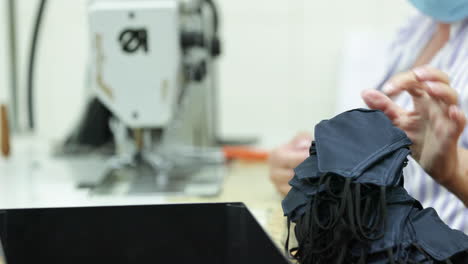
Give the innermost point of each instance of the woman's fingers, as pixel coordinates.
(430, 74)
(287, 157)
(442, 91)
(280, 177)
(406, 81)
(457, 115)
(379, 101)
(416, 81)
(291, 158)
(301, 141)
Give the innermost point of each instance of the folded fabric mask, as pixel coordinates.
(349, 205)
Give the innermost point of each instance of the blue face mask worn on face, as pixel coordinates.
(443, 10)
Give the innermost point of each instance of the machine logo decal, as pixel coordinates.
(132, 40)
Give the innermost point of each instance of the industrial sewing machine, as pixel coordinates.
(152, 66)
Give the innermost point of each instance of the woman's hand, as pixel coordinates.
(285, 158)
(435, 124)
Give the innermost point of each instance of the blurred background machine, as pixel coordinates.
(153, 73)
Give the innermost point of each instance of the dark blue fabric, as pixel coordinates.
(349, 203)
(353, 141)
(435, 237)
(294, 203)
(307, 189)
(399, 207)
(308, 169)
(387, 170)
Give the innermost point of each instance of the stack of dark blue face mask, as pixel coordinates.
(349, 205)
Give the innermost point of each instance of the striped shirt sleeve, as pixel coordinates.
(459, 81)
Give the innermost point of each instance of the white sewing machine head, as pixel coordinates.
(136, 59)
(152, 65)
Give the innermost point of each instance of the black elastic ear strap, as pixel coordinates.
(344, 198)
(350, 206)
(351, 217)
(328, 188)
(380, 219)
(286, 246)
(315, 211)
(363, 257)
(390, 256)
(383, 211)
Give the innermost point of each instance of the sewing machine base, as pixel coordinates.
(204, 180)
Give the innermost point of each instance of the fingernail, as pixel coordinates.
(460, 112)
(303, 144)
(455, 110)
(421, 72)
(388, 88)
(431, 85)
(365, 93)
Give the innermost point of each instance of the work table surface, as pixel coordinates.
(249, 183)
(30, 179)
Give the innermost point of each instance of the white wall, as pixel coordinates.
(61, 63)
(279, 73)
(282, 64)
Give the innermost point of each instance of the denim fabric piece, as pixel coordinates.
(304, 187)
(387, 171)
(308, 169)
(399, 207)
(293, 202)
(435, 237)
(349, 204)
(351, 142)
